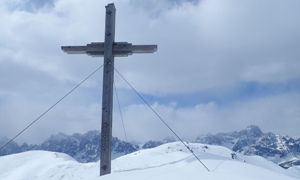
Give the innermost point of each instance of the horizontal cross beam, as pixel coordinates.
(120, 49)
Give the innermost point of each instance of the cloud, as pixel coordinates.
(217, 44)
(207, 48)
(277, 114)
(30, 5)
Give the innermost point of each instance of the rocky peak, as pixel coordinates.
(251, 131)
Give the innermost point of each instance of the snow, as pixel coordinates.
(169, 161)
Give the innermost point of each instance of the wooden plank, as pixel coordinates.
(107, 96)
(74, 49)
(144, 48)
(120, 49)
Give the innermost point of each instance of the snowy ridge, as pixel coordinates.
(168, 161)
(82, 147)
(282, 150)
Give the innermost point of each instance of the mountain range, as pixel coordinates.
(82, 147)
(283, 150)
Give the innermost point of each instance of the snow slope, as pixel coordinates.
(169, 161)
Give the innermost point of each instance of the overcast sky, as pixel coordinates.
(221, 65)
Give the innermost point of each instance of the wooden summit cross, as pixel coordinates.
(109, 49)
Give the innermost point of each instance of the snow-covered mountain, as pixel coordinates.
(85, 147)
(82, 147)
(282, 150)
(169, 161)
(152, 144)
(11, 148)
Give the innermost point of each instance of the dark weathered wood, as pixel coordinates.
(74, 49)
(107, 96)
(109, 49)
(120, 49)
(144, 48)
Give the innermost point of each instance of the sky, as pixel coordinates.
(221, 66)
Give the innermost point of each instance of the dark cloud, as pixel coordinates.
(36, 4)
(220, 65)
(32, 5)
(156, 7)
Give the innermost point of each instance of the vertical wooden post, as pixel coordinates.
(107, 95)
(106, 49)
